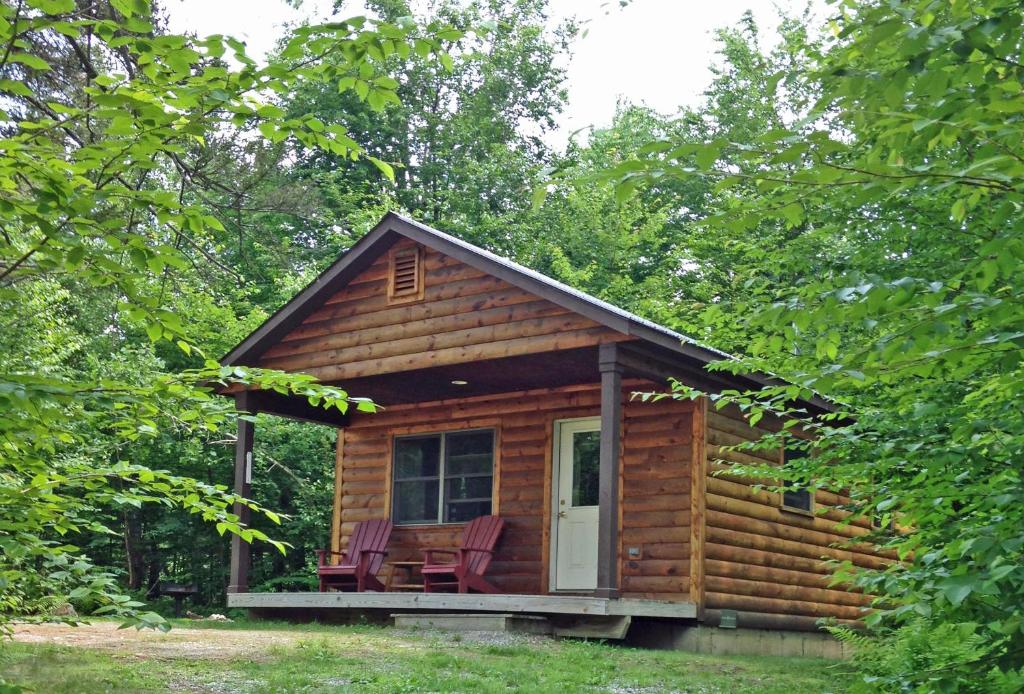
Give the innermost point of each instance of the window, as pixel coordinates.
(795, 497)
(405, 279)
(879, 522)
(443, 478)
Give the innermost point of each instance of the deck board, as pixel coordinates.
(531, 604)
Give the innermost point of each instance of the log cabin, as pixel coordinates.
(505, 392)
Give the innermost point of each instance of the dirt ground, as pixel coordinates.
(208, 644)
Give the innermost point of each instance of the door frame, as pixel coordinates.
(556, 468)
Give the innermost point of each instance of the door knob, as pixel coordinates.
(562, 514)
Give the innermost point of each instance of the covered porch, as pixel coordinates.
(645, 540)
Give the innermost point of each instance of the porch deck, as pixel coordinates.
(468, 602)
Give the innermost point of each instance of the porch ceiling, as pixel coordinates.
(506, 375)
(510, 374)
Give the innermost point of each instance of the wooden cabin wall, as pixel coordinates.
(657, 460)
(759, 558)
(465, 315)
(655, 483)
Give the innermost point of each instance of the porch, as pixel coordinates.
(641, 483)
(575, 605)
(560, 615)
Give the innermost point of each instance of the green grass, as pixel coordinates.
(373, 659)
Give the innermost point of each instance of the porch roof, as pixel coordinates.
(655, 352)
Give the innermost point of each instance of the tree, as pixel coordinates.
(466, 137)
(106, 124)
(645, 247)
(901, 189)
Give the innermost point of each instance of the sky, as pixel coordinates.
(653, 52)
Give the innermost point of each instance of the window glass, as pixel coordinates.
(465, 488)
(416, 501)
(794, 496)
(465, 511)
(586, 465)
(417, 457)
(458, 465)
(469, 453)
(468, 469)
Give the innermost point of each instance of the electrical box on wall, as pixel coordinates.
(633, 552)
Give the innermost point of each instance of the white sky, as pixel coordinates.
(653, 52)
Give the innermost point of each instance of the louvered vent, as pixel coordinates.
(406, 277)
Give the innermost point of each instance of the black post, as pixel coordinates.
(239, 582)
(608, 494)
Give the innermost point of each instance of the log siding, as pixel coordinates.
(462, 316)
(654, 472)
(761, 558)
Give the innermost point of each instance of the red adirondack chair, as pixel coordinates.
(471, 560)
(360, 563)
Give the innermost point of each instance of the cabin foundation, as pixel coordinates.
(474, 621)
(698, 638)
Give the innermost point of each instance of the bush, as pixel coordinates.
(924, 657)
(303, 581)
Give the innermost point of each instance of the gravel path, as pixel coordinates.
(147, 643)
(216, 644)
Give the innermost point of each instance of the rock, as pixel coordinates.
(218, 618)
(65, 610)
(192, 615)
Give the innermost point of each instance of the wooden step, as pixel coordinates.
(474, 621)
(614, 628)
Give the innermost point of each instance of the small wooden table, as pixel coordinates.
(178, 591)
(410, 568)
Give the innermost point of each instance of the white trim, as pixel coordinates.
(556, 462)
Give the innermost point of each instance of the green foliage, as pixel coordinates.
(891, 202)
(922, 656)
(466, 133)
(103, 234)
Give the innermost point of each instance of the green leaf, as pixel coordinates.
(384, 167)
(53, 6)
(29, 60)
(957, 588)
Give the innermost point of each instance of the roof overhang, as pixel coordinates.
(661, 352)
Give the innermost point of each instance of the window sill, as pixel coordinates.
(798, 511)
(427, 526)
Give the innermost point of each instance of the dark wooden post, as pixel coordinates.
(608, 494)
(239, 582)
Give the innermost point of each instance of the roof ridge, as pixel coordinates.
(579, 293)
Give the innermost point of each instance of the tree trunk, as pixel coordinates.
(153, 577)
(133, 549)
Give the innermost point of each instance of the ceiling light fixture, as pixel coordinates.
(460, 382)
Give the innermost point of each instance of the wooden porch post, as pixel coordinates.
(239, 582)
(608, 487)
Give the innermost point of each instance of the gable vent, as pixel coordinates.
(406, 277)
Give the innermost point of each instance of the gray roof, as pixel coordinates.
(559, 286)
(394, 226)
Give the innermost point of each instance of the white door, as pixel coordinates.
(574, 536)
